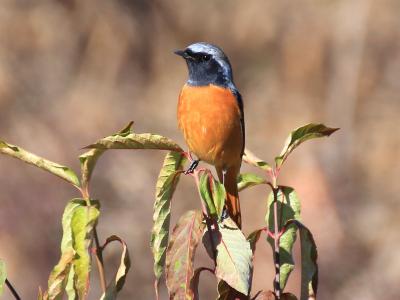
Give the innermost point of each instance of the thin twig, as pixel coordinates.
(99, 260)
(156, 289)
(12, 289)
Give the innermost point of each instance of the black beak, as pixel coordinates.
(180, 53)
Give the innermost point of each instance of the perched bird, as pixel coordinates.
(210, 115)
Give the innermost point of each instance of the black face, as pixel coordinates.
(206, 68)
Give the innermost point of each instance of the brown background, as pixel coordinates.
(74, 71)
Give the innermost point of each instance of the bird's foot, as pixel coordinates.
(192, 167)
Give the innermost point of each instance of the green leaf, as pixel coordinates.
(288, 208)
(127, 139)
(253, 238)
(234, 255)
(246, 180)
(55, 285)
(83, 220)
(213, 194)
(300, 135)
(119, 279)
(180, 255)
(3, 276)
(309, 267)
(250, 158)
(72, 271)
(89, 159)
(58, 277)
(206, 195)
(70, 287)
(165, 187)
(44, 164)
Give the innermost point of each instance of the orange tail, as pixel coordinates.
(232, 194)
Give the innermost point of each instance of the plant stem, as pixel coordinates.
(277, 286)
(12, 289)
(99, 260)
(156, 289)
(99, 250)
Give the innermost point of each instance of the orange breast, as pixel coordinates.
(209, 117)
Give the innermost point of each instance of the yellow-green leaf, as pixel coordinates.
(234, 255)
(250, 158)
(180, 255)
(165, 187)
(300, 135)
(89, 159)
(42, 163)
(127, 139)
(246, 180)
(82, 222)
(3, 276)
(119, 279)
(64, 269)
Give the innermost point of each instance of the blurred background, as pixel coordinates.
(74, 71)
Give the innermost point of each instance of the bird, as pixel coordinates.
(210, 115)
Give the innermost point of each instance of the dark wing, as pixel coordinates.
(240, 103)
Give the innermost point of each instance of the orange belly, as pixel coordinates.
(209, 117)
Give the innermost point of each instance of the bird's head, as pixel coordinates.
(207, 64)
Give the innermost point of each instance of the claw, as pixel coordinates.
(192, 167)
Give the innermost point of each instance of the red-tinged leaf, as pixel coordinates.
(269, 295)
(250, 158)
(180, 255)
(234, 255)
(119, 279)
(300, 135)
(59, 275)
(194, 283)
(165, 188)
(225, 292)
(264, 295)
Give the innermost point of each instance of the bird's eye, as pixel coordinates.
(206, 57)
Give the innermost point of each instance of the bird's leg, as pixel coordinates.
(225, 210)
(193, 163)
(223, 176)
(192, 167)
